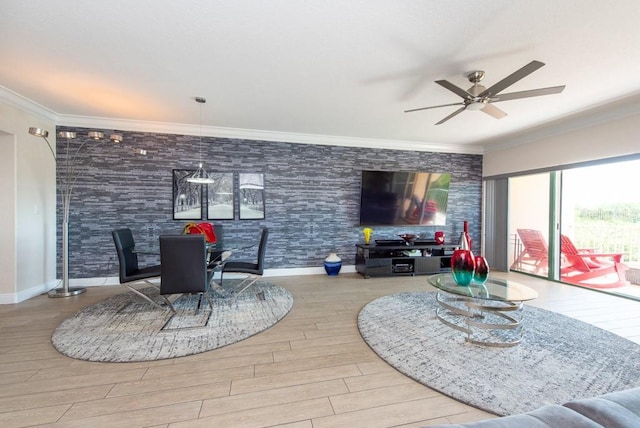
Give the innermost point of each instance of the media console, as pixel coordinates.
(395, 257)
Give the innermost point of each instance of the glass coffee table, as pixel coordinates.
(489, 314)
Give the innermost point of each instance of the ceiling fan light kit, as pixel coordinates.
(477, 105)
(477, 97)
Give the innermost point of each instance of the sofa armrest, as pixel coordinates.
(550, 416)
(620, 409)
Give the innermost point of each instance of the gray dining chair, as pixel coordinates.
(184, 267)
(253, 269)
(130, 273)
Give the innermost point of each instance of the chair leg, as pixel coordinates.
(210, 282)
(200, 295)
(249, 280)
(206, 296)
(156, 286)
(246, 282)
(169, 304)
(144, 296)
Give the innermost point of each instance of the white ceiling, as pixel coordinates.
(337, 68)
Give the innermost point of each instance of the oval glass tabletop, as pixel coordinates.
(493, 289)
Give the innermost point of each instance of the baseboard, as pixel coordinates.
(114, 280)
(305, 271)
(96, 282)
(11, 298)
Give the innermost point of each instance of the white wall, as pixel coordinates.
(28, 220)
(8, 218)
(605, 140)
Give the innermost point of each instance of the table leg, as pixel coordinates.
(487, 323)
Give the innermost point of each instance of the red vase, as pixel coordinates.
(465, 242)
(462, 267)
(465, 228)
(482, 270)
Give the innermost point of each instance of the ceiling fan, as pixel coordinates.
(478, 97)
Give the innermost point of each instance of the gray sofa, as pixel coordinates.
(619, 409)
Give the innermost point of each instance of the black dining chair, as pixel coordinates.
(184, 267)
(130, 273)
(253, 269)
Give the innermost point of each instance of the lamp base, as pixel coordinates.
(61, 292)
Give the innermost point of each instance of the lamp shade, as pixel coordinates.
(67, 134)
(96, 135)
(200, 176)
(38, 132)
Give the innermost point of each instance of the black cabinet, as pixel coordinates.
(397, 258)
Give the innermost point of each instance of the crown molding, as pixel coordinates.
(611, 111)
(25, 104)
(604, 113)
(20, 102)
(259, 135)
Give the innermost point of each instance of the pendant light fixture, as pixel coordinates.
(201, 176)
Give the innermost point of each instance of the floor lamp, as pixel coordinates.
(67, 172)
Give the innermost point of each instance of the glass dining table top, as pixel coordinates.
(214, 247)
(493, 289)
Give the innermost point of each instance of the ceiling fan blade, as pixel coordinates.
(511, 79)
(455, 113)
(493, 111)
(526, 94)
(453, 88)
(427, 108)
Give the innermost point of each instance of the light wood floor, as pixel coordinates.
(310, 370)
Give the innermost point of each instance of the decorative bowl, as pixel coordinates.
(409, 238)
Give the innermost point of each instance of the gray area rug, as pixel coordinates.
(559, 358)
(125, 328)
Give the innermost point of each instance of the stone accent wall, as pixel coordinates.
(312, 196)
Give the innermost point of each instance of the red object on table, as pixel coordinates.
(203, 228)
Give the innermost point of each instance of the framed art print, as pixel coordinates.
(220, 197)
(251, 197)
(187, 197)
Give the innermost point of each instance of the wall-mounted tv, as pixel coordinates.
(404, 198)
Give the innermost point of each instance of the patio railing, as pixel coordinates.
(623, 239)
(610, 239)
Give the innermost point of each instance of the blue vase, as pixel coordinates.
(332, 264)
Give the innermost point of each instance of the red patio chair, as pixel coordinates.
(535, 254)
(583, 267)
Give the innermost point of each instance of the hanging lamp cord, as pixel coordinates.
(201, 101)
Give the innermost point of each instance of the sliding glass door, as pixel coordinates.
(579, 225)
(529, 198)
(600, 227)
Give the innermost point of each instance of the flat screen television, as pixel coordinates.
(404, 198)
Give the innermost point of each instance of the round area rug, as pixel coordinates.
(559, 358)
(126, 328)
